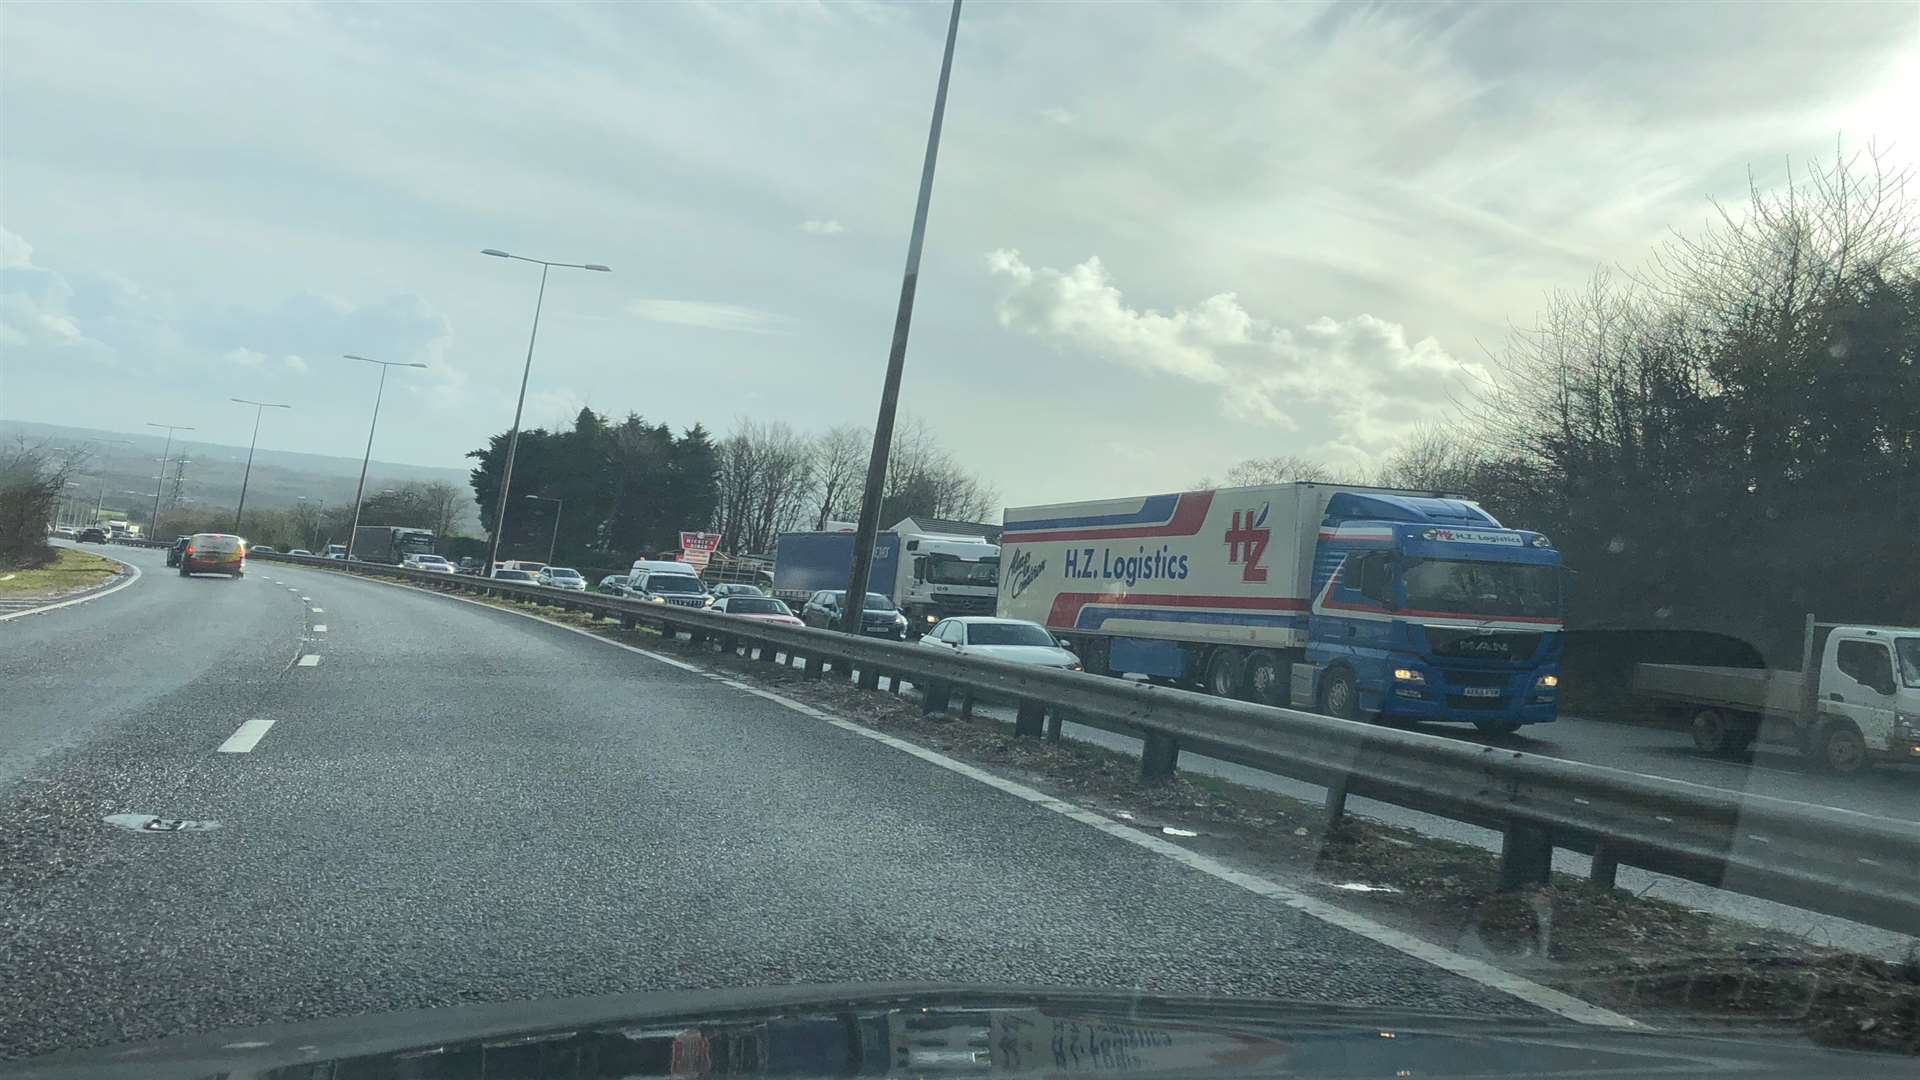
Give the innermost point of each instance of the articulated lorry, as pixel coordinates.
(389, 544)
(1355, 601)
(1854, 701)
(928, 576)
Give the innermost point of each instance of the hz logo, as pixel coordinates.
(1247, 543)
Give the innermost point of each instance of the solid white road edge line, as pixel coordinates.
(245, 738)
(1479, 971)
(78, 600)
(310, 660)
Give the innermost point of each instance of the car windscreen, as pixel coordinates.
(562, 571)
(877, 602)
(755, 605)
(674, 583)
(1457, 586)
(1007, 634)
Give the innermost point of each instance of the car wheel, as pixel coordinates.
(185, 570)
(1841, 749)
(1223, 674)
(1340, 697)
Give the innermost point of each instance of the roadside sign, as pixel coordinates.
(696, 548)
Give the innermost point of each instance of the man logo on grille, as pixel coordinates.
(1247, 542)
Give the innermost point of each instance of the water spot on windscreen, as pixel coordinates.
(155, 823)
(1361, 886)
(1169, 830)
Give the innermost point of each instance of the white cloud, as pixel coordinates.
(1057, 115)
(243, 357)
(827, 227)
(1361, 372)
(14, 250)
(296, 364)
(700, 313)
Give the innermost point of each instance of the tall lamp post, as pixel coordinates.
(258, 408)
(153, 521)
(101, 499)
(896, 356)
(513, 439)
(377, 395)
(554, 542)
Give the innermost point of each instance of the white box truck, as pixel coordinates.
(1357, 601)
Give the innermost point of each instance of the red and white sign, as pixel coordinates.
(696, 549)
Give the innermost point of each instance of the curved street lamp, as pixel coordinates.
(513, 440)
(377, 395)
(258, 408)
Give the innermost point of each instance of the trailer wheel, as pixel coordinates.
(1839, 749)
(1340, 697)
(1712, 732)
(1267, 679)
(1223, 673)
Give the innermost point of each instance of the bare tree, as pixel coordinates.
(1281, 469)
(839, 471)
(31, 483)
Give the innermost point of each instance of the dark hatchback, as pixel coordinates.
(173, 553)
(880, 619)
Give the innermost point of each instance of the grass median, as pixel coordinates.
(70, 571)
(1667, 964)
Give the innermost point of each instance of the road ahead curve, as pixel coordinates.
(452, 804)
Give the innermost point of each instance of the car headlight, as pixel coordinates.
(1546, 682)
(656, 599)
(1408, 675)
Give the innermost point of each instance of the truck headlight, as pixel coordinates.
(1546, 682)
(933, 618)
(1408, 675)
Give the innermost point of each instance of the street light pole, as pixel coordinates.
(377, 395)
(856, 605)
(153, 521)
(513, 438)
(558, 506)
(258, 408)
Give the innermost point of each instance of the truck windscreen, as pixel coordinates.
(948, 570)
(1482, 588)
(411, 543)
(1908, 649)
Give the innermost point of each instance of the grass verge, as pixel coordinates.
(1667, 964)
(71, 571)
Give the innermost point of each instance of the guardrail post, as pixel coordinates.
(1336, 801)
(1159, 757)
(768, 653)
(626, 621)
(1055, 718)
(813, 667)
(1026, 723)
(1606, 866)
(934, 698)
(1526, 855)
(869, 678)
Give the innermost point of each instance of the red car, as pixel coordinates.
(757, 608)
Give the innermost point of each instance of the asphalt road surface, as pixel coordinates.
(429, 803)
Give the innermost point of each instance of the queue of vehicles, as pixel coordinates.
(1364, 603)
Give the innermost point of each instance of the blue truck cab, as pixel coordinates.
(1428, 609)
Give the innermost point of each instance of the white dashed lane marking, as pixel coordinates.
(319, 628)
(317, 611)
(246, 737)
(310, 660)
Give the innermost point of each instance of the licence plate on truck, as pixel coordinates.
(1481, 691)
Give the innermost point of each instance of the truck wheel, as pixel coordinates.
(1840, 749)
(1268, 679)
(1712, 731)
(1223, 673)
(1340, 697)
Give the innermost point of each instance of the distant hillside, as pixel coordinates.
(213, 471)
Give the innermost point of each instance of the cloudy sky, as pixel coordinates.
(1164, 237)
